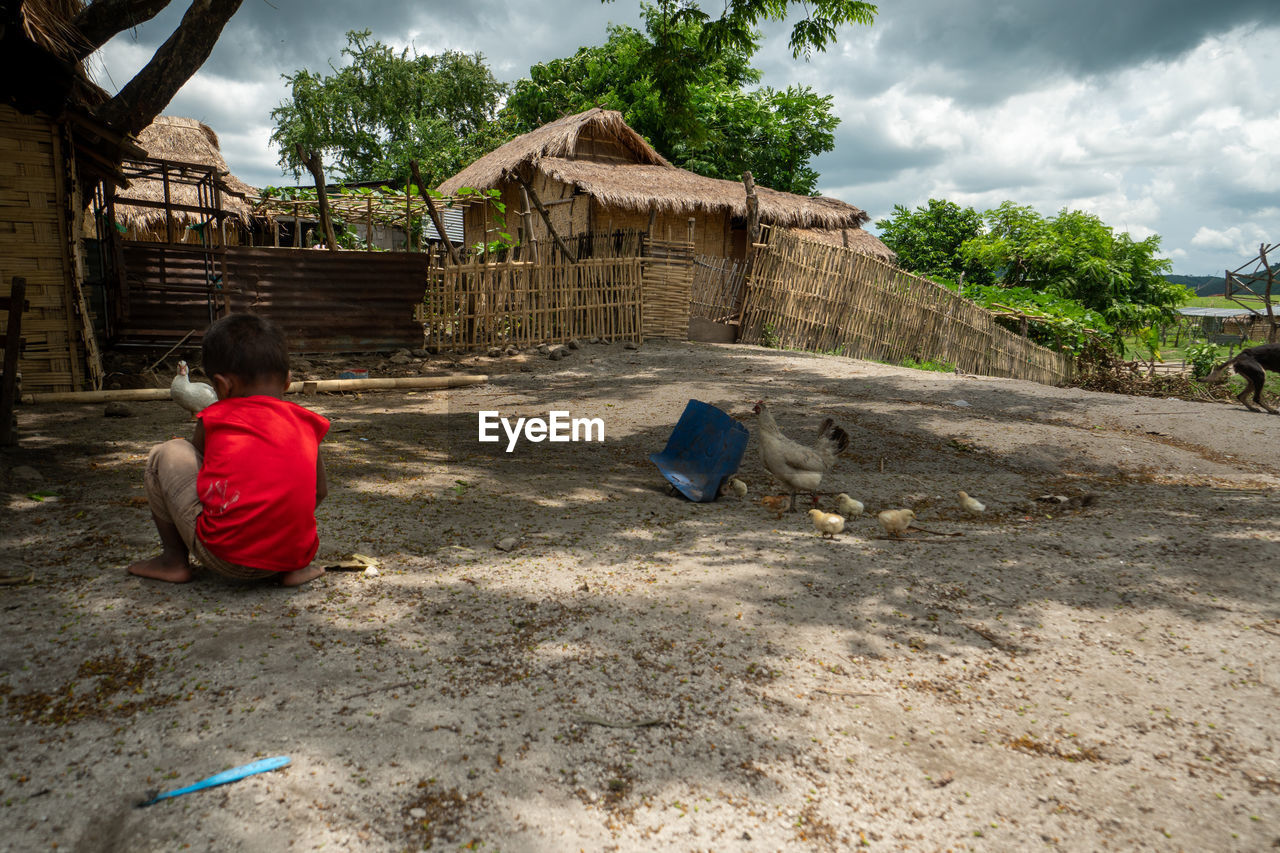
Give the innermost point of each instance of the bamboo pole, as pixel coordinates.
(380, 384)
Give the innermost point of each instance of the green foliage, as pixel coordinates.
(1053, 321)
(769, 337)
(927, 240)
(371, 116)
(1202, 357)
(1076, 256)
(929, 364)
(685, 85)
(739, 18)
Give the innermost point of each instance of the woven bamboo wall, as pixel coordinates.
(535, 300)
(668, 285)
(824, 298)
(35, 243)
(717, 285)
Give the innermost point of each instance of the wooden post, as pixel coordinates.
(435, 215)
(526, 215)
(12, 342)
(408, 215)
(753, 237)
(368, 224)
(1271, 278)
(546, 217)
(311, 160)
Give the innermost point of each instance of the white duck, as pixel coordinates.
(192, 396)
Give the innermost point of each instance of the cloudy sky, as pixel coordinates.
(1159, 116)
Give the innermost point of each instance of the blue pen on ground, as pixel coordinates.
(233, 775)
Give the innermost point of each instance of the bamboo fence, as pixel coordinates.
(717, 287)
(535, 296)
(666, 289)
(812, 296)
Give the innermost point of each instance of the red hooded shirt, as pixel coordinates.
(258, 482)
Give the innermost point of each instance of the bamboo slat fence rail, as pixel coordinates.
(666, 289)
(812, 296)
(542, 297)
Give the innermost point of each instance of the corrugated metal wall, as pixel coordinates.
(325, 301)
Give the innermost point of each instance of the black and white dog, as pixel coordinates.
(1253, 364)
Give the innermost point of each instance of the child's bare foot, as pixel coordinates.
(300, 576)
(163, 568)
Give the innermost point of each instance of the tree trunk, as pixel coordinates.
(149, 92)
(311, 160)
(102, 19)
(433, 213)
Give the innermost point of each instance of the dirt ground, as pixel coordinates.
(638, 672)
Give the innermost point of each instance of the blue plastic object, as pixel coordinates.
(703, 451)
(232, 775)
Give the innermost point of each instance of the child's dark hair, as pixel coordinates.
(246, 345)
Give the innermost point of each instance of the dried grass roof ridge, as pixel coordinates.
(650, 182)
(184, 140)
(555, 139)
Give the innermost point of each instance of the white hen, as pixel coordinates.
(797, 467)
(192, 396)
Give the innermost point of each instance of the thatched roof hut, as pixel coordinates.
(179, 140)
(594, 158)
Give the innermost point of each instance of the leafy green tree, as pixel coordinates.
(372, 115)
(738, 19)
(927, 240)
(1076, 256)
(691, 101)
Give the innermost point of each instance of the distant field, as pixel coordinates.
(1211, 302)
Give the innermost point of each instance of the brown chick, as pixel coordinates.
(896, 522)
(775, 503)
(827, 523)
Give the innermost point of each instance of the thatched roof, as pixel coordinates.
(647, 182)
(559, 138)
(674, 190)
(183, 140)
(48, 24)
(851, 238)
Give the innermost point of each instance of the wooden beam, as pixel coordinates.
(154, 394)
(753, 238)
(13, 343)
(546, 217)
(433, 213)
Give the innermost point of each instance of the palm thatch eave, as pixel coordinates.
(669, 189)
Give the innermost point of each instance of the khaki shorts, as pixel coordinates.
(171, 474)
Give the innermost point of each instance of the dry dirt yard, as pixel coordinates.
(639, 672)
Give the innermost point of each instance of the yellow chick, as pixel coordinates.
(739, 487)
(970, 505)
(896, 521)
(827, 523)
(847, 506)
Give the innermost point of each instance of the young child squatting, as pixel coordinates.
(241, 494)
